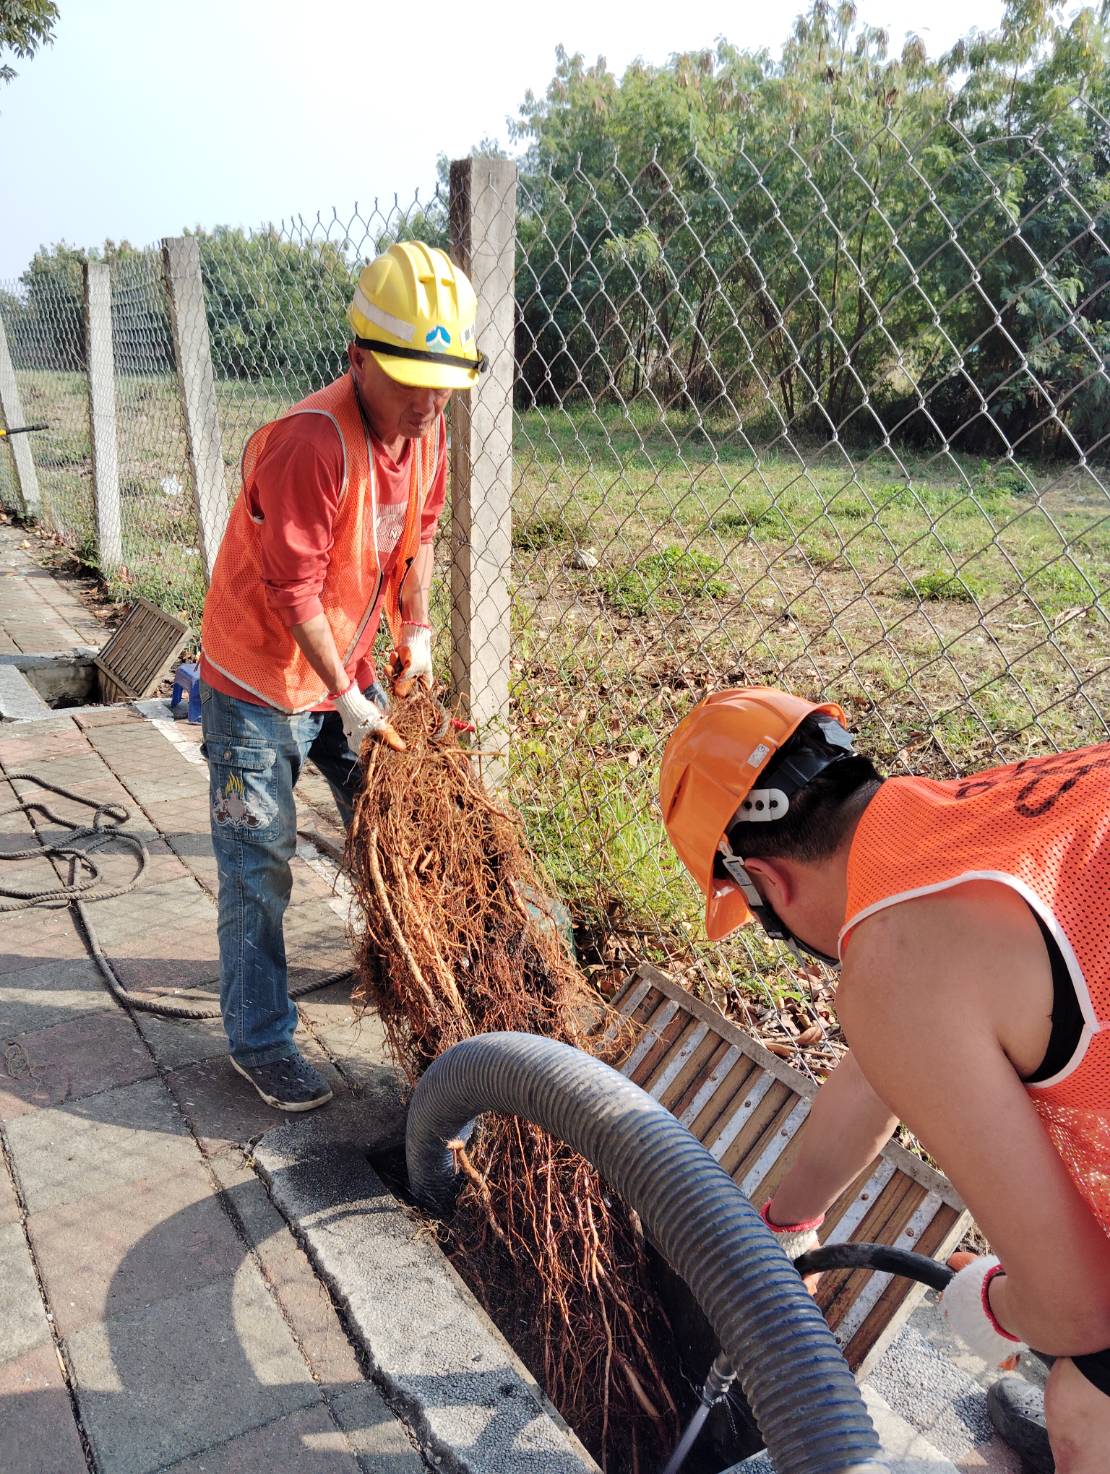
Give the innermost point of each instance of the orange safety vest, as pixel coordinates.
(1042, 827)
(242, 637)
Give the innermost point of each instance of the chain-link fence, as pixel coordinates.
(831, 416)
(274, 303)
(828, 410)
(46, 343)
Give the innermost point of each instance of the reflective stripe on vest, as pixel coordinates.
(242, 637)
(1041, 827)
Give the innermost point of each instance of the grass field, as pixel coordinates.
(955, 606)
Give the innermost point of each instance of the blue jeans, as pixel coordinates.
(255, 755)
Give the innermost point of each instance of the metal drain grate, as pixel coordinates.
(134, 659)
(745, 1106)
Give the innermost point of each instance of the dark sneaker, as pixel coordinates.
(1017, 1412)
(290, 1084)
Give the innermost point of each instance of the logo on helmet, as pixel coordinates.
(439, 335)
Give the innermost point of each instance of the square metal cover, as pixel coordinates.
(745, 1106)
(133, 661)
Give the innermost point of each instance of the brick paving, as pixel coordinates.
(156, 1311)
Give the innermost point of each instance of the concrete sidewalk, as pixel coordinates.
(156, 1312)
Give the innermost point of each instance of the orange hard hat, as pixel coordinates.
(710, 765)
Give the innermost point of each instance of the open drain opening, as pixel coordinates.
(683, 1349)
(65, 683)
(130, 667)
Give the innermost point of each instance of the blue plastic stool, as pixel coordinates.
(187, 678)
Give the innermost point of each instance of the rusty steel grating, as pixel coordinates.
(745, 1106)
(132, 662)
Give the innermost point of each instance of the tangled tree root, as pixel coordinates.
(454, 942)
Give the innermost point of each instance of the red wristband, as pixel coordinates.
(765, 1214)
(335, 695)
(414, 624)
(995, 1269)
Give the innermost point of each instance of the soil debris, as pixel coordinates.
(458, 937)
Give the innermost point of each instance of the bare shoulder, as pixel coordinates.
(972, 954)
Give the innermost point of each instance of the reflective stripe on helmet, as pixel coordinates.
(382, 319)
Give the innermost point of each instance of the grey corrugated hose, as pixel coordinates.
(794, 1377)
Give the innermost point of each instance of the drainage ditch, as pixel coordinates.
(684, 1345)
(33, 687)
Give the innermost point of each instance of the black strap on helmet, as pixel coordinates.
(823, 743)
(375, 345)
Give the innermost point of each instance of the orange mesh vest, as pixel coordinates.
(241, 635)
(1042, 827)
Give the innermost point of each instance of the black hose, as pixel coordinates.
(876, 1256)
(75, 850)
(886, 1260)
(794, 1377)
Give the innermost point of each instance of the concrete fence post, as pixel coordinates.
(12, 406)
(483, 243)
(193, 352)
(102, 413)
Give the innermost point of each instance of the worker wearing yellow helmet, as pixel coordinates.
(333, 528)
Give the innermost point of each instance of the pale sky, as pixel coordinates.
(146, 117)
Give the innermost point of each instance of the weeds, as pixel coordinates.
(662, 582)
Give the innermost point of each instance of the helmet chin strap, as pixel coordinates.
(798, 765)
(771, 922)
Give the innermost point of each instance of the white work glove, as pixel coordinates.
(362, 718)
(968, 1314)
(412, 660)
(795, 1238)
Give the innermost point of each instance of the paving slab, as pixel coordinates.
(304, 1301)
(308, 1440)
(37, 1431)
(51, 993)
(82, 1056)
(941, 1392)
(148, 1399)
(83, 1148)
(19, 701)
(9, 1204)
(178, 1042)
(50, 937)
(375, 1435)
(23, 1323)
(113, 1252)
(428, 1342)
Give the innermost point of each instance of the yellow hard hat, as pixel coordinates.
(414, 310)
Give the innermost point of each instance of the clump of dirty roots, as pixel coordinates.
(455, 939)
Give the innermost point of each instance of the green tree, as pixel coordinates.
(276, 308)
(841, 240)
(25, 26)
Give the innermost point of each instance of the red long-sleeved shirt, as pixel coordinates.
(295, 492)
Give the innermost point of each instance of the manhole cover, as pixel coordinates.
(132, 662)
(745, 1106)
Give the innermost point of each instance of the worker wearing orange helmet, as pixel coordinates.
(332, 530)
(970, 922)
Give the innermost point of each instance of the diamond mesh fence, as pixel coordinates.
(832, 417)
(827, 409)
(46, 343)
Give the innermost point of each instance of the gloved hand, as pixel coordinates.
(967, 1311)
(412, 660)
(362, 718)
(795, 1238)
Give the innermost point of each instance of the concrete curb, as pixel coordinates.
(19, 701)
(443, 1365)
